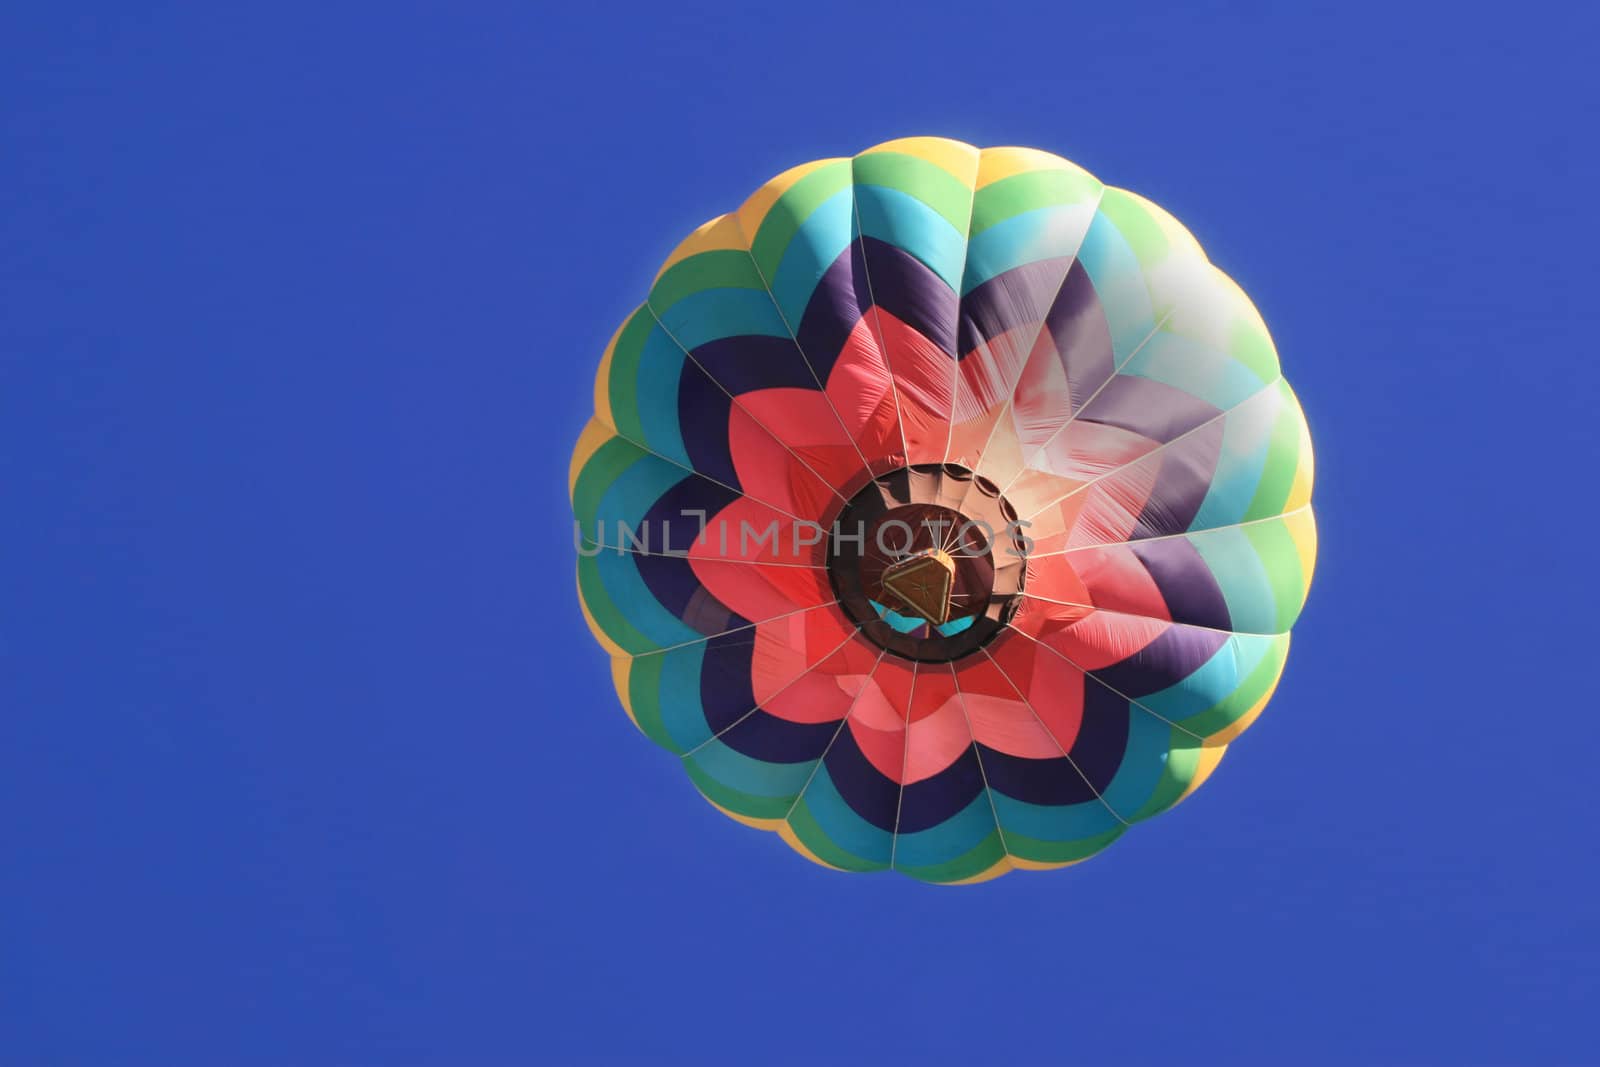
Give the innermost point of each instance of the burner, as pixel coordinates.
(928, 561)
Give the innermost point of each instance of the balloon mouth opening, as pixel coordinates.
(928, 561)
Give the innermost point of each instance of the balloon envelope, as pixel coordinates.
(943, 510)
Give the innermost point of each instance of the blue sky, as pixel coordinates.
(306, 755)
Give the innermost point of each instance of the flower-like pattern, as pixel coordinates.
(966, 332)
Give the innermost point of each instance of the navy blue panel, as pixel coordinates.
(1186, 583)
(774, 740)
(1163, 663)
(747, 363)
(725, 690)
(869, 794)
(1035, 781)
(1102, 740)
(1185, 477)
(703, 423)
(833, 311)
(1007, 301)
(931, 801)
(905, 288)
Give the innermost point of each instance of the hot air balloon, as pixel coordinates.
(944, 510)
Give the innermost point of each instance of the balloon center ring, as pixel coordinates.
(928, 561)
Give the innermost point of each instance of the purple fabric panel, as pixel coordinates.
(1187, 585)
(1082, 337)
(1016, 298)
(1185, 476)
(904, 287)
(1149, 408)
(1163, 663)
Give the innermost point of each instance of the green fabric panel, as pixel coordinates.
(1183, 759)
(751, 807)
(791, 210)
(1132, 220)
(611, 620)
(678, 697)
(644, 687)
(928, 182)
(984, 855)
(806, 829)
(749, 775)
(1028, 191)
(1245, 695)
(1030, 848)
(936, 845)
(624, 372)
(1281, 561)
(626, 588)
(1240, 572)
(719, 269)
(1283, 458)
(1249, 344)
(843, 826)
(1052, 822)
(609, 462)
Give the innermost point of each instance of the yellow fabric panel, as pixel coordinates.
(1302, 527)
(621, 669)
(759, 824)
(958, 158)
(1305, 472)
(602, 381)
(1037, 865)
(1210, 756)
(605, 642)
(1229, 733)
(789, 838)
(595, 433)
(1004, 866)
(754, 210)
(997, 163)
(1180, 242)
(719, 234)
(1240, 304)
